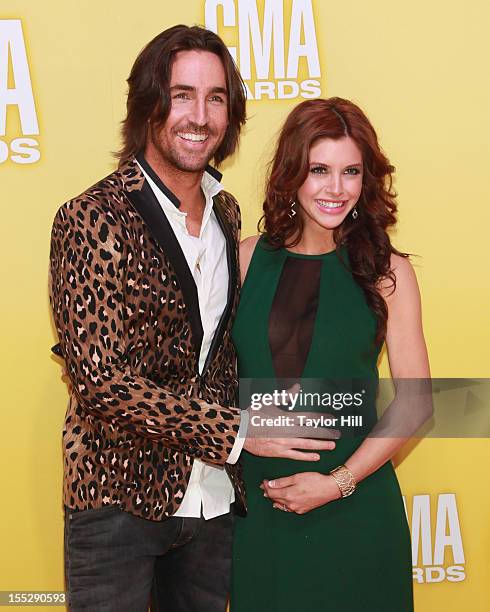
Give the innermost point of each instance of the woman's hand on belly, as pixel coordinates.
(301, 492)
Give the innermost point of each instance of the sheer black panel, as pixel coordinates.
(292, 316)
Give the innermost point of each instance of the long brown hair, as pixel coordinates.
(366, 238)
(149, 88)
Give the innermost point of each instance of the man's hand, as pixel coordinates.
(301, 492)
(276, 432)
(288, 448)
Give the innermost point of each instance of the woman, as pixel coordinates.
(323, 289)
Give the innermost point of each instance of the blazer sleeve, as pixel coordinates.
(86, 295)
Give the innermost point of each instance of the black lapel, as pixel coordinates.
(147, 205)
(140, 158)
(230, 247)
(232, 278)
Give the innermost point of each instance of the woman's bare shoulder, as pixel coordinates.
(247, 245)
(404, 276)
(247, 248)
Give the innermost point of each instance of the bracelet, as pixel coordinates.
(345, 480)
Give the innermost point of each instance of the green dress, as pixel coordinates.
(352, 554)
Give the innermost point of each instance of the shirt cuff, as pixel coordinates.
(240, 439)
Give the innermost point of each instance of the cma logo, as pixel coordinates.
(286, 63)
(16, 91)
(437, 547)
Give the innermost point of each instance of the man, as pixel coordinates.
(144, 288)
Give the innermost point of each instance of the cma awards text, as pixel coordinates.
(22, 149)
(275, 48)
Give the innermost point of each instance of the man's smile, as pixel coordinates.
(192, 137)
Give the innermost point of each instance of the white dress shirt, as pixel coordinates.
(209, 489)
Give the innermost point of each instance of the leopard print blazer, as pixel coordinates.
(127, 316)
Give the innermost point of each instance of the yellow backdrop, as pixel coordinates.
(419, 69)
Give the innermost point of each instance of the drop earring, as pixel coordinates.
(354, 213)
(292, 212)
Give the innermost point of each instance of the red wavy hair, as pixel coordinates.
(366, 238)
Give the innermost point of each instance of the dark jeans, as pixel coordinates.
(115, 561)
